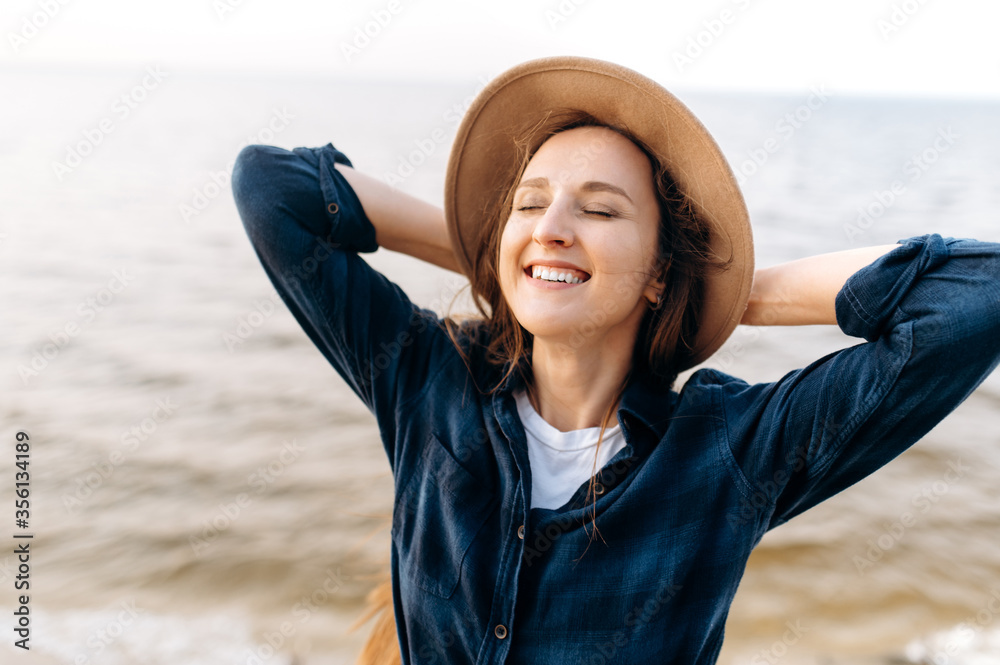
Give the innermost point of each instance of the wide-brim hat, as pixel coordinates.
(484, 160)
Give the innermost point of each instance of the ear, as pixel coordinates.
(655, 286)
(652, 292)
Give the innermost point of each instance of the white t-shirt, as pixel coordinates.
(562, 461)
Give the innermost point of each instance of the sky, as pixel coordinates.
(879, 47)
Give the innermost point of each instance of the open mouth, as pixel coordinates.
(556, 274)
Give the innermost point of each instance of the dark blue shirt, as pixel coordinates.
(480, 577)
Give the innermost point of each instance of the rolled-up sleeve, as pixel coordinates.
(930, 312)
(307, 225)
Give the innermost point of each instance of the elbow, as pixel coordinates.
(253, 172)
(271, 184)
(964, 326)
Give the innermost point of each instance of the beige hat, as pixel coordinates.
(484, 158)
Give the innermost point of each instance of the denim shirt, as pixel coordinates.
(480, 577)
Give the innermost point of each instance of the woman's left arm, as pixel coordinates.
(804, 292)
(929, 309)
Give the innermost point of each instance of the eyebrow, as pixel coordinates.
(589, 186)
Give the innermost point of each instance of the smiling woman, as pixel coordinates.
(556, 500)
(573, 218)
(587, 208)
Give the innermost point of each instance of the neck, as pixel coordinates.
(574, 387)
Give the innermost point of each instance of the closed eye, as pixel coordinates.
(600, 213)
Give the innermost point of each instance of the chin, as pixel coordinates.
(551, 327)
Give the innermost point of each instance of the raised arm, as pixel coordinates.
(403, 223)
(930, 312)
(804, 292)
(308, 225)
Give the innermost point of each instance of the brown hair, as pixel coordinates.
(666, 335)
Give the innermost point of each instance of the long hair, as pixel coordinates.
(665, 341)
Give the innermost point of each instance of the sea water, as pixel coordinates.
(206, 489)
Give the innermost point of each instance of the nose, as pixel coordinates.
(555, 226)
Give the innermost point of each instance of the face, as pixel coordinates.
(577, 254)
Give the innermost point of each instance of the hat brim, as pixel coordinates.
(484, 158)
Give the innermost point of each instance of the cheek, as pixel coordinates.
(628, 262)
(505, 242)
(626, 251)
(508, 258)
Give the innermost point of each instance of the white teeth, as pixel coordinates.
(548, 275)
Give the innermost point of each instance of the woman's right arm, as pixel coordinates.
(403, 223)
(308, 225)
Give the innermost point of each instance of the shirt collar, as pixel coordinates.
(645, 403)
(642, 402)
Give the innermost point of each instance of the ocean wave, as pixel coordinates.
(127, 633)
(968, 643)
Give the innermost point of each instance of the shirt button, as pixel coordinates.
(520, 532)
(332, 208)
(598, 489)
(500, 631)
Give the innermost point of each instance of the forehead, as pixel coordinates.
(590, 151)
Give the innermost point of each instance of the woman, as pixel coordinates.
(556, 500)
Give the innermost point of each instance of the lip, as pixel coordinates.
(542, 284)
(553, 263)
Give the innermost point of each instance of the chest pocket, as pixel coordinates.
(437, 515)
